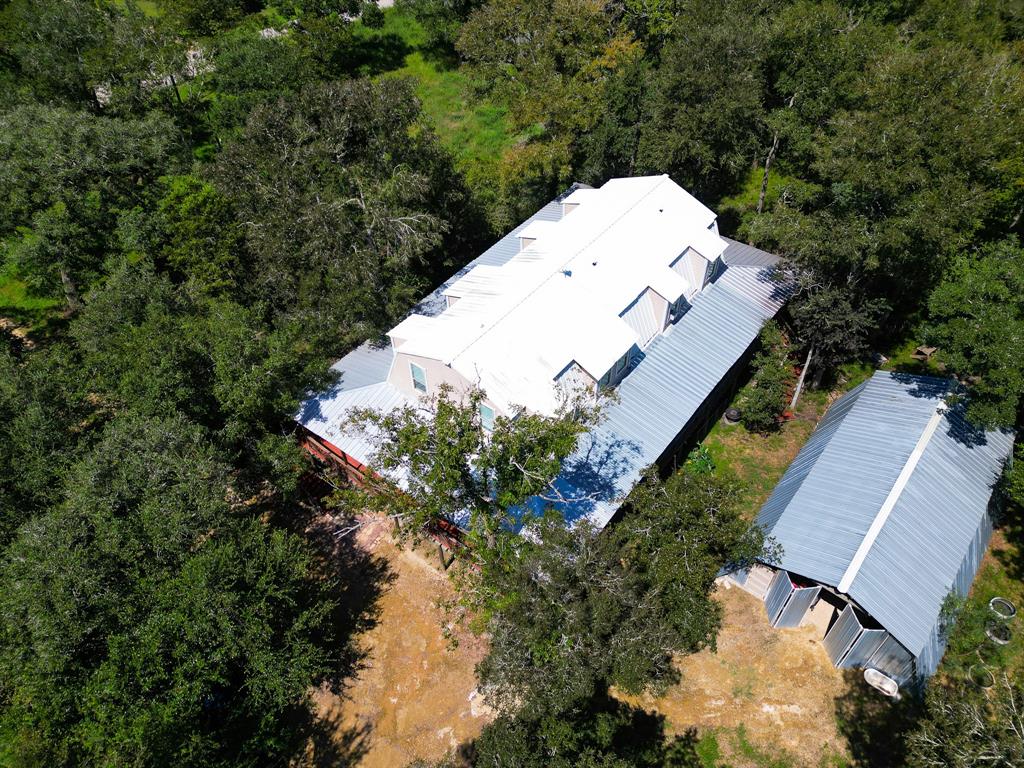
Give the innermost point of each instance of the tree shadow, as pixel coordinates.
(1011, 525)
(875, 727)
(355, 579)
(442, 56)
(332, 744)
(602, 728)
(375, 54)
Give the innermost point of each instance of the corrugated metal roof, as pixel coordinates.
(739, 254)
(673, 378)
(327, 415)
(676, 374)
(367, 366)
(823, 508)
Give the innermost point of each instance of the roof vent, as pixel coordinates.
(567, 272)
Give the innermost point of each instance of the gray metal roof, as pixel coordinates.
(823, 509)
(665, 389)
(363, 372)
(739, 254)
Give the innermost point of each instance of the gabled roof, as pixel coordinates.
(662, 395)
(576, 277)
(664, 392)
(886, 499)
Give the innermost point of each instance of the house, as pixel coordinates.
(628, 286)
(882, 514)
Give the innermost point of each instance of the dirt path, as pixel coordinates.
(777, 684)
(413, 699)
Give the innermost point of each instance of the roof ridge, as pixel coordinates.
(557, 270)
(882, 516)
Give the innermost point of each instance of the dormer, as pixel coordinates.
(533, 231)
(646, 316)
(577, 198)
(694, 268)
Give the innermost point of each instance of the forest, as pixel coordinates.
(206, 202)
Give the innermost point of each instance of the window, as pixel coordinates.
(678, 309)
(487, 417)
(419, 377)
(623, 362)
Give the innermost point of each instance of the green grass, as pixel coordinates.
(475, 132)
(19, 305)
(1000, 575)
(708, 750)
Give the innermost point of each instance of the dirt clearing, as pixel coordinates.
(413, 698)
(776, 684)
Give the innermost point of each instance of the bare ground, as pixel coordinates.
(778, 684)
(413, 698)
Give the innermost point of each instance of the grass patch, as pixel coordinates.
(759, 461)
(1001, 575)
(19, 305)
(708, 750)
(475, 132)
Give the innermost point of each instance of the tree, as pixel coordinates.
(45, 420)
(66, 178)
(248, 69)
(441, 19)
(146, 622)
(964, 728)
(206, 17)
(191, 233)
(876, 222)
(162, 350)
(548, 62)
(977, 322)
(572, 612)
(705, 111)
(344, 196)
(451, 467)
(603, 733)
(50, 42)
(764, 398)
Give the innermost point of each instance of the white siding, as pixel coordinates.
(643, 318)
(693, 268)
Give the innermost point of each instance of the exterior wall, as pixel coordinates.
(796, 608)
(693, 268)
(706, 416)
(842, 635)
(930, 656)
(574, 379)
(660, 305)
(437, 373)
(848, 642)
(778, 595)
(865, 647)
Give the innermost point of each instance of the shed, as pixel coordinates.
(883, 513)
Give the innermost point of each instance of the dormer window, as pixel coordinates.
(616, 372)
(678, 309)
(419, 377)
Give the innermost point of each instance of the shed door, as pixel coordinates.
(863, 647)
(842, 635)
(778, 594)
(799, 601)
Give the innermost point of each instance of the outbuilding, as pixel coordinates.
(885, 511)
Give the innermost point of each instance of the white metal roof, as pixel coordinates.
(518, 325)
